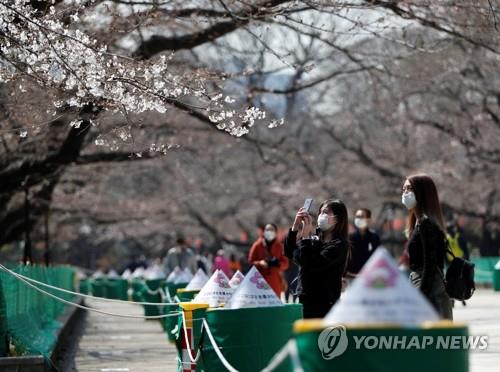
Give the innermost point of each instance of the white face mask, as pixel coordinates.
(323, 223)
(269, 235)
(409, 201)
(360, 223)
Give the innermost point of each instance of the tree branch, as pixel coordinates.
(157, 43)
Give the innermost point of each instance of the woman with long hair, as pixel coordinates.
(321, 258)
(427, 241)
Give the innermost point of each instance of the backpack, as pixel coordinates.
(459, 280)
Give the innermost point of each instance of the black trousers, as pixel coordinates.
(314, 307)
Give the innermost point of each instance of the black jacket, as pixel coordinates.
(321, 266)
(361, 250)
(427, 249)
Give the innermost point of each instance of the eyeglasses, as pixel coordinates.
(407, 188)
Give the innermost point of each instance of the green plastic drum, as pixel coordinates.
(99, 287)
(85, 287)
(137, 289)
(169, 323)
(186, 295)
(172, 288)
(484, 270)
(151, 293)
(248, 338)
(434, 347)
(496, 278)
(116, 289)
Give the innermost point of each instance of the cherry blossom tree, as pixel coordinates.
(367, 89)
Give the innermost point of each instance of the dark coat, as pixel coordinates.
(363, 246)
(427, 248)
(321, 266)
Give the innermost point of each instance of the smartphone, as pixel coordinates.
(307, 204)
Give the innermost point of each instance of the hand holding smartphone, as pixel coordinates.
(307, 205)
(302, 217)
(307, 222)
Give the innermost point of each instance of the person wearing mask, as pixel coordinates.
(267, 256)
(179, 256)
(321, 254)
(427, 241)
(363, 240)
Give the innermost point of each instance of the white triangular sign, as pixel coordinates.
(138, 273)
(198, 281)
(381, 294)
(216, 291)
(174, 275)
(225, 276)
(154, 272)
(184, 277)
(236, 279)
(126, 274)
(253, 291)
(98, 274)
(112, 274)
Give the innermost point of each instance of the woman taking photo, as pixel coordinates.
(427, 241)
(321, 258)
(267, 256)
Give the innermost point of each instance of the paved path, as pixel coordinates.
(482, 314)
(112, 344)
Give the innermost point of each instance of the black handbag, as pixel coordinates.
(459, 280)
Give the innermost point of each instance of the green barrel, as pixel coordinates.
(186, 295)
(170, 323)
(85, 287)
(496, 277)
(249, 337)
(137, 289)
(173, 287)
(371, 348)
(484, 269)
(116, 288)
(99, 287)
(151, 293)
